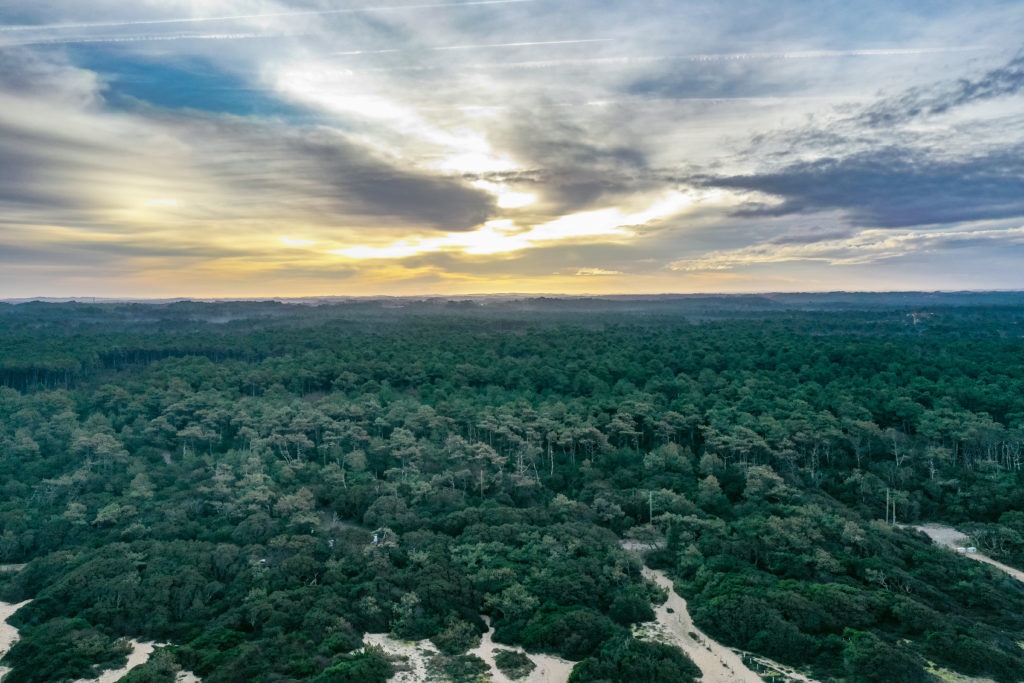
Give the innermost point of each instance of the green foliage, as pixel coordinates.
(161, 667)
(629, 659)
(631, 607)
(569, 632)
(369, 666)
(219, 485)
(457, 637)
(64, 649)
(513, 664)
(457, 669)
(870, 660)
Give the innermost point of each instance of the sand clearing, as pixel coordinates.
(416, 651)
(951, 538)
(139, 655)
(8, 634)
(718, 663)
(550, 669)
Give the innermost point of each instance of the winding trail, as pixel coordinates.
(8, 634)
(417, 653)
(139, 655)
(550, 669)
(951, 538)
(717, 663)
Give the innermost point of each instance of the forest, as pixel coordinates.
(261, 484)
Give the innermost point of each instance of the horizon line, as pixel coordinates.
(500, 295)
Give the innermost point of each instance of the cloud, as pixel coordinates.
(868, 246)
(885, 168)
(588, 272)
(495, 142)
(940, 98)
(261, 15)
(498, 237)
(59, 151)
(893, 187)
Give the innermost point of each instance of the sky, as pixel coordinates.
(252, 148)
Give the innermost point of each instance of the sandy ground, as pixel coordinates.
(951, 538)
(140, 651)
(550, 669)
(416, 651)
(139, 656)
(719, 664)
(8, 634)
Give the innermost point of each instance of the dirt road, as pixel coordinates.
(718, 663)
(951, 538)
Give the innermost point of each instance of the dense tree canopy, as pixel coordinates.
(262, 484)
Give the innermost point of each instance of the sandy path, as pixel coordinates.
(417, 652)
(8, 634)
(951, 538)
(717, 663)
(139, 656)
(550, 669)
(140, 651)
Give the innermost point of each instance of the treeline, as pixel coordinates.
(265, 494)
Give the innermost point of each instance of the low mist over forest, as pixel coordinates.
(260, 484)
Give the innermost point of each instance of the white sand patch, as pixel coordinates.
(951, 538)
(140, 651)
(949, 676)
(417, 653)
(8, 634)
(550, 669)
(785, 673)
(717, 663)
(943, 535)
(139, 655)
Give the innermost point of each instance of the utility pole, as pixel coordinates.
(890, 504)
(650, 506)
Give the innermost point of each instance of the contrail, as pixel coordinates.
(715, 57)
(149, 38)
(480, 46)
(527, 44)
(349, 10)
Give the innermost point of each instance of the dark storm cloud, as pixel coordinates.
(893, 187)
(811, 236)
(576, 167)
(315, 169)
(285, 171)
(882, 171)
(919, 102)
